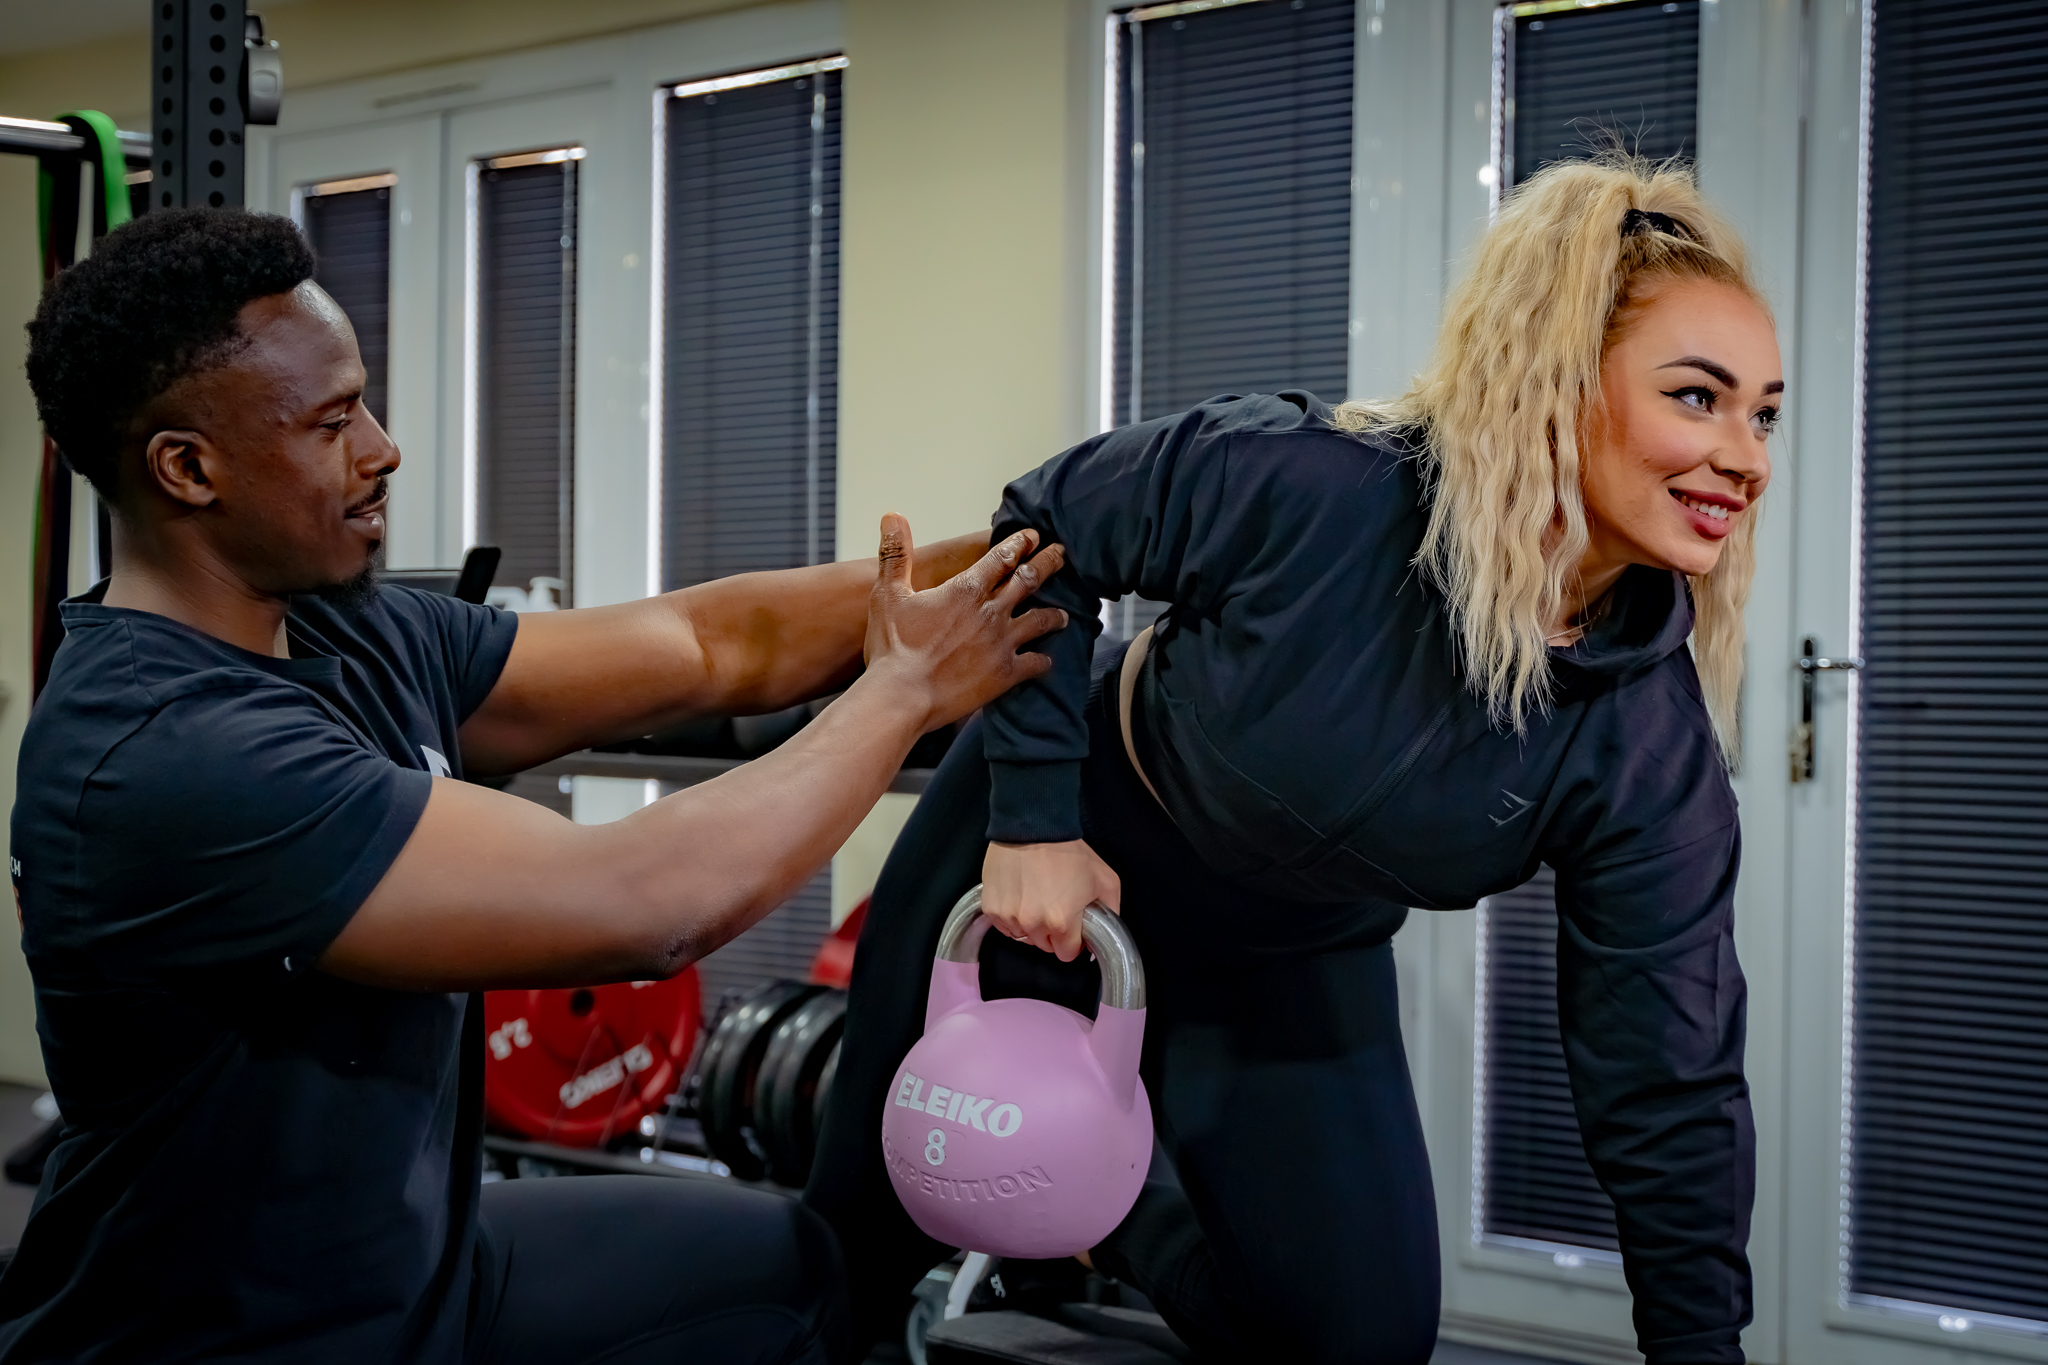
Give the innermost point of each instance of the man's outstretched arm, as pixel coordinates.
(744, 645)
(493, 891)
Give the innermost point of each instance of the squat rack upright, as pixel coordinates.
(212, 73)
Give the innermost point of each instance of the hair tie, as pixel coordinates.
(1638, 221)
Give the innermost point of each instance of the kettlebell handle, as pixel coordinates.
(1123, 972)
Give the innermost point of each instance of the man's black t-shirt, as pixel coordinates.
(259, 1162)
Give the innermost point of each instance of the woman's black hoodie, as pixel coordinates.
(1305, 720)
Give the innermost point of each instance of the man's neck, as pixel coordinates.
(204, 596)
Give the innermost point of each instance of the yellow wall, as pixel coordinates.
(324, 41)
(963, 269)
(21, 449)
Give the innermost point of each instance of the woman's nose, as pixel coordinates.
(1748, 462)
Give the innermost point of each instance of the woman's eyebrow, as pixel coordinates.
(1695, 362)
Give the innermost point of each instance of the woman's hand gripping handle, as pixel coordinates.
(1035, 893)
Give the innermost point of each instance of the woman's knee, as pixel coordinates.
(1401, 1333)
(1334, 1321)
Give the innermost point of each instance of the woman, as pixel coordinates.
(1413, 650)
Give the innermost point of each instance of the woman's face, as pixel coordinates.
(1676, 455)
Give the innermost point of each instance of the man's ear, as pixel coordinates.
(174, 463)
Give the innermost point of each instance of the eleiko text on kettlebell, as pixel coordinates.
(957, 1106)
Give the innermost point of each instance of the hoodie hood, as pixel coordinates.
(1648, 621)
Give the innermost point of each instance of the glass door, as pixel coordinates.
(1919, 836)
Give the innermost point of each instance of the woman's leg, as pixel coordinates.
(1307, 1226)
(936, 859)
(642, 1270)
(1324, 1236)
(1304, 1227)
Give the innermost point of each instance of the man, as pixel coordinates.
(256, 894)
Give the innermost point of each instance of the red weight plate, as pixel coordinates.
(833, 966)
(580, 1066)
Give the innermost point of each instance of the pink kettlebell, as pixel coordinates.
(1015, 1127)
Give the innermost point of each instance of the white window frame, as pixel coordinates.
(1813, 820)
(426, 125)
(568, 123)
(409, 151)
(1398, 209)
(657, 315)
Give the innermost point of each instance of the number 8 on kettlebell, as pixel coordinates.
(1047, 1129)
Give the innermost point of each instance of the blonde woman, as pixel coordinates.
(1414, 649)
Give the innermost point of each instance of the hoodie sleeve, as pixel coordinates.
(1651, 1006)
(1146, 508)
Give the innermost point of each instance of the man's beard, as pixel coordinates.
(352, 595)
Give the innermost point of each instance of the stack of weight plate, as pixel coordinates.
(764, 1078)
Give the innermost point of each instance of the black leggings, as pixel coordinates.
(645, 1270)
(1301, 1225)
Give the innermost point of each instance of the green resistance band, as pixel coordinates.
(113, 177)
(53, 495)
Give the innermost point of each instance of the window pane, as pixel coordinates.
(1537, 1185)
(526, 357)
(1233, 204)
(751, 330)
(1631, 70)
(351, 237)
(1949, 1110)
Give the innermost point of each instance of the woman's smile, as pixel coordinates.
(1709, 514)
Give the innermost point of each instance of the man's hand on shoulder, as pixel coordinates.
(958, 645)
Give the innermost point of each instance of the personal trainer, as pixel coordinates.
(257, 896)
(1412, 650)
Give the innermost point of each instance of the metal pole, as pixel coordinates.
(196, 54)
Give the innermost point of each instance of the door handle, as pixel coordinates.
(1811, 662)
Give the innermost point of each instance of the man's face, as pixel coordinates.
(287, 475)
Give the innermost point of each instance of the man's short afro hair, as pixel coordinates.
(156, 301)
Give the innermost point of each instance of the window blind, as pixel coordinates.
(525, 359)
(1232, 194)
(1632, 68)
(750, 327)
(1948, 1111)
(350, 233)
(780, 946)
(750, 377)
